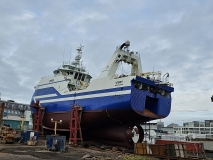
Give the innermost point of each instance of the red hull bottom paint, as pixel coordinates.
(113, 126)
(95, 119)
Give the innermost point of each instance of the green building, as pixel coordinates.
(14, 122)
(13, 112)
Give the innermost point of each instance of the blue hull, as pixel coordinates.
(137, 106)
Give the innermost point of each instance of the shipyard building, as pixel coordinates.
(194, 129)
(13, 112)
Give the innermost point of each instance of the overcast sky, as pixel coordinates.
(171, 36)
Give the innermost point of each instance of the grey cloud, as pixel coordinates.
(171, 36)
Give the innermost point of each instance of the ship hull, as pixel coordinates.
(115, 106)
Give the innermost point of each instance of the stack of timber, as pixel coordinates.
(7, 134)
(140, 148)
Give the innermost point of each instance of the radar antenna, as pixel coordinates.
(78, 57)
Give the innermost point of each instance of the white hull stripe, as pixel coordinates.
(88, 96)
(45, 96)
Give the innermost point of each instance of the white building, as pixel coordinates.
(159, 127)
(196, 129)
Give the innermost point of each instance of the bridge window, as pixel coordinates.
(69, 73)
(76, 75)
(79, 77)
(83, 76)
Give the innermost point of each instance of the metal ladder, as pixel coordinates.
(2, 105)
(75, 127)
(38, 117)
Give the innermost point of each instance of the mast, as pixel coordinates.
(77, 63)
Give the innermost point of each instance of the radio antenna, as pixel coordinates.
(70, 55)
(64, 52)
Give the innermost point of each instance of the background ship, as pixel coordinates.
(113, 105)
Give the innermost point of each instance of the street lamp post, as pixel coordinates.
(22, 122)
(56, 122)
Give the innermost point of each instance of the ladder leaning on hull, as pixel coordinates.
(75, 125)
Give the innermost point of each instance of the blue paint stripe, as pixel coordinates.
(97, 103)
(50, 91)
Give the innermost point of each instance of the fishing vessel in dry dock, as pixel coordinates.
(113, 105)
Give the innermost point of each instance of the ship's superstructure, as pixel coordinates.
(110, 102)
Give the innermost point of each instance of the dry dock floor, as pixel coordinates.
(25, 152)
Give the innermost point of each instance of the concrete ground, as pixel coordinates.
(20, 152)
